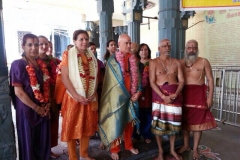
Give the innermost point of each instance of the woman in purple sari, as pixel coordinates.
(29, 82)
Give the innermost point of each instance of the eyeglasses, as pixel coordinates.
(165, 46)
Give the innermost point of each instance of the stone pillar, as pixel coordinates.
(169, 24)
(105, 9)
(185, 15)
(7, 137)
(132, 9)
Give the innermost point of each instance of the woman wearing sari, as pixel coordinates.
(30, 81)
(79, 105)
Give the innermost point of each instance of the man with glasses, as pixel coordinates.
(166, 79)
(196, 102)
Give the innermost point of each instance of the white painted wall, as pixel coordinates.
(150, 37)
(40, 20)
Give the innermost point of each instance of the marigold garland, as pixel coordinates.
(41, 97)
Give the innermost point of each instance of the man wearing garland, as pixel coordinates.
(51, 63)
(197, 116)
(166, 80)
(118, 107)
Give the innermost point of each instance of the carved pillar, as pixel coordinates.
(169, 24)
(7, 137)
(105, 9)
(132, 9)
(183, 27)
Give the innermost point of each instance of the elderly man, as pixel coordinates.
(120, 93)
(166, 79)
(196, 103)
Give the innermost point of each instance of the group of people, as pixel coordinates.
(127, 96)
(32, 86)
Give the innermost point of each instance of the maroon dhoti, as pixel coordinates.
(196, 115)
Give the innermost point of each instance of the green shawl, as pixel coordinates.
(116, 108)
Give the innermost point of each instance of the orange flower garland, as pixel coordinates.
(43, 98)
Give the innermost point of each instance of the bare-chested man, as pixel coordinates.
(166, 79)
(196, 102)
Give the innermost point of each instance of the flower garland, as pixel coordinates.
(133, 70)
(41, 97)
(86, 72)
(145, 75)
(52, 64)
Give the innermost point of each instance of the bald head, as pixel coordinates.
(124, 43)
(163, 42)
(192, 41)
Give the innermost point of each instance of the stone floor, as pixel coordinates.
(223, 143)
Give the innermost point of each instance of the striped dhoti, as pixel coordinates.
(166, 117)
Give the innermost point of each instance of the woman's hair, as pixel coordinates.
(69, 46)
(26, 36)
(139, 49)
(107, 53)
(77, 32)
(91, 44)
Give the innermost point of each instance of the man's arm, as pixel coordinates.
(180, 80)
(208, 71)
(152, 78)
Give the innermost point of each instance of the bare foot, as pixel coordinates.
(115, 156)
(183, 149)
(175, 155)
(101, 146)
(148, 140)
(134, 151)
(159, 157)
(196, 155)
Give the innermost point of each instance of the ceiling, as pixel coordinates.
(86, 7)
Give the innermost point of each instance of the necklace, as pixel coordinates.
(165, 68)
(41, 97)
(189, 66)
